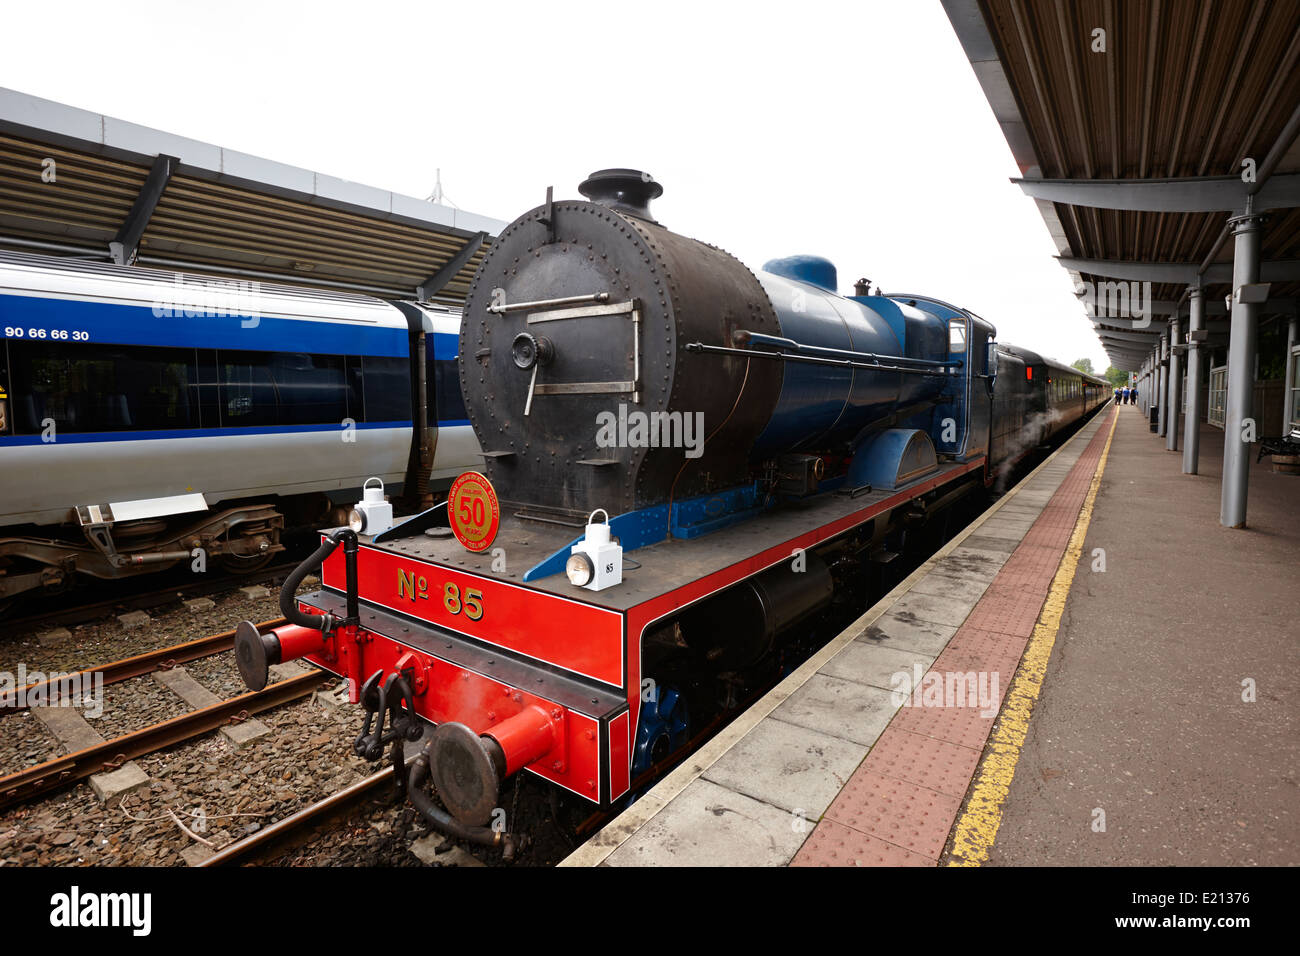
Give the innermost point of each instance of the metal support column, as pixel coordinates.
(1149, 399)
(1241, 371)
(126, 244)
(1162, 388)
(1192, 425)
(1288, 395)
(1175, 387)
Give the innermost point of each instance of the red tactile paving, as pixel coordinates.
(1034, 559)
(901, 813)
(1009, 606)
(899, 806)
(982, 651)
(833, 844)
(963, 726)
(924, 761)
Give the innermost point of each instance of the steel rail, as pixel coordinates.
(261, 842)
(160, 660)
(52, 775)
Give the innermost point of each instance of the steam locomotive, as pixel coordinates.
(757, 443)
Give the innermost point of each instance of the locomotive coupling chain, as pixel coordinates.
(392, 699)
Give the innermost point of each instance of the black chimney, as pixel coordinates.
(628, 191)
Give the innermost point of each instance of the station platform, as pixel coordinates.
(907, 740)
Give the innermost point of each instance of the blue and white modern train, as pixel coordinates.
(149, 418)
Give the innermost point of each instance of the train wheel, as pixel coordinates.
(238, 564)
(661, 729)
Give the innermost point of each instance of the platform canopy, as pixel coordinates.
(78, 183)
(1140, 129)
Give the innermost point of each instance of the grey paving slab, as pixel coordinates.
(709, 825)
(908, 634)
(1001, 520)
(1010, 531)
(990, 543)
(1032, 499)
(1048, 483)
(976, 562)
(840, 708)
(795, 768)
(875, 664)
(965, 587)
(1027, 510)
(933, 608)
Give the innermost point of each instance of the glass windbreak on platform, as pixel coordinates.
(1218, 406)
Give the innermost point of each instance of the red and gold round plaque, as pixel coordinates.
(473, 510)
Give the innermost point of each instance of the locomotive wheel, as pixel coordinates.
(661, 729)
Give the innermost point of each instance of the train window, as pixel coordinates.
(80, 387)
(281, 388)
(447, 405)
(356, 389)
(247, 393)
(311, 389)
(387, 389)
(957, 337)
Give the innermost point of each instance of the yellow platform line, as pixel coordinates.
(978, 826)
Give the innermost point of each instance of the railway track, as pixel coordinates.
(297, 827)
(58, 772)
(162, 659)
(140, 601)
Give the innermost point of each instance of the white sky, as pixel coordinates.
(853, 130)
